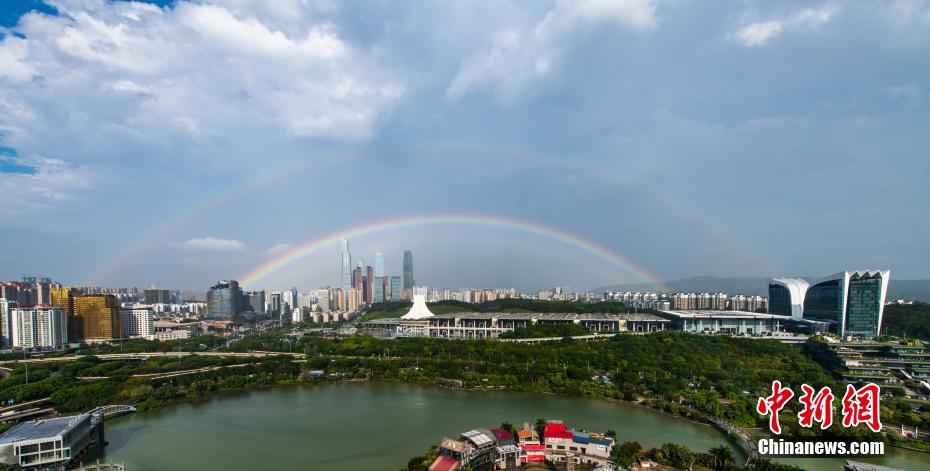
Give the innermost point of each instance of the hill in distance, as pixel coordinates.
(917, 290)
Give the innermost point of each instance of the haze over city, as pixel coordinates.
(184, 143)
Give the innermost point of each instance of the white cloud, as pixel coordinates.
(761, 32)
(214, 244)
(52, 181)
(909, 93)
(277, 249)
(517, 57)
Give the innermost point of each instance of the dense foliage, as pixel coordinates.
(908, 320)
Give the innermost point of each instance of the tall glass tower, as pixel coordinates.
(408, 270)
(346, 265)
(379, 264)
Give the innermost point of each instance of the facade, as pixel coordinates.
(46, 443)
(379, 264)
(346, 264)
(156, 296)
(256, 301)
(852, 303)
(379, 289)
(577, 447)
(395, 288)
(726, 322)
(224, 300)
(6, 322)
(469, 325)
(39, 327)
(138, 323)
(786, 297)
(96, 317)
(408, 271)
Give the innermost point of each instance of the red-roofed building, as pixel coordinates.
(503, 436)
(444, 463)
(532, 452)
(555, 430)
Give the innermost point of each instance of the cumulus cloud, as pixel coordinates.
(761, 32)
(145, 80)
(214, 244)
(517, 56)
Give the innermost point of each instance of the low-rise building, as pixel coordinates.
(726, 322)
(46, 443)
(474, 325)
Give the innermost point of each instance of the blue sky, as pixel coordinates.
(183, 142)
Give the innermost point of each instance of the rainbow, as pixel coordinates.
(299, 251)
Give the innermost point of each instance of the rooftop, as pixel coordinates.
(698, 314)
(552, 316)
(37, 429)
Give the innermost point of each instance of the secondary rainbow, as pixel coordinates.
(309, 247)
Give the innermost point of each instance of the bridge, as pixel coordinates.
(99, 414)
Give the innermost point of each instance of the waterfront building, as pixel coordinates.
(96, 318)
(346, 264)
(137, 323)
(39, 327)
(50, 443)
(395, 288)
(851, 303)
(224, 300)
(153, 295)
(579, 447)
(408, 271)
(786, 297)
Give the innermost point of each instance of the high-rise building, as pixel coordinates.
(6, 322)
(39, 327)
(64, 298)
(379, 290)
(851, 302)
(137, 323)
(395, 288)
(224, 300)
(346, 264)
(153, 295)
(289, 299)
(379, 264)
(408, 271)
(369, 291)
(96, 317)
(786, 297)
(358, 278)
(274, 304)
(256, 301)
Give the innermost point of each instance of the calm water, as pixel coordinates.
(373, 426)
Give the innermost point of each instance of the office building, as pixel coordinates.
(379, 290)
(256, 301)
(96, 318)
(153, 295)
(273, 307)
(379, 264)
(39, 327)
(289, 299)
(786, 297)
(346, 264)
(137, 323)
(852, 303)
(725, 322)
(408, 271)
(369, 291)
(395, 288)
(224, 300)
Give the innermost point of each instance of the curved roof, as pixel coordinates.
(419, 309)
(797, 289)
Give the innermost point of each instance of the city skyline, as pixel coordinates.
(723, 140)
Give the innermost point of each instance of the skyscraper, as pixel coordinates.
(851, 302)
(346, 264)
(379, 264)
(224, 300)
(96, 317)
(369, 285)
(395, 288)
(39, 327)
(153, 295)
(408, 271)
